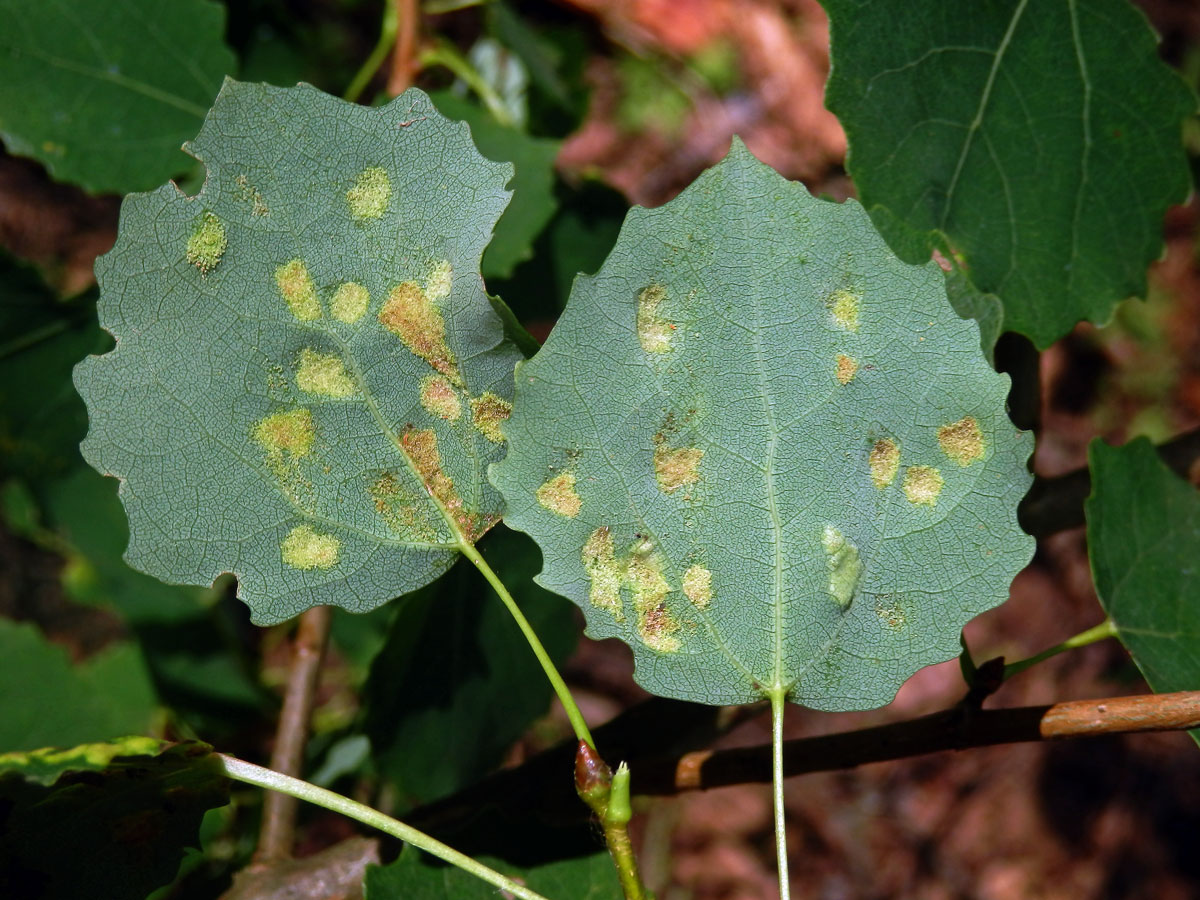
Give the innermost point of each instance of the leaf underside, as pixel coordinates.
(104, 93)
(1143, 525)
(308, 381)
(765, 453)
(1041, 139)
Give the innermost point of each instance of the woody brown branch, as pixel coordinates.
(954, 729)
(279, 810)
(539, 783)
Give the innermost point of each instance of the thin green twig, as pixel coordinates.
(1106, 629)
(249, 773)
(445, 54)
(387, 37)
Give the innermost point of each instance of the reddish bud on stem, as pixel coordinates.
(593, 778)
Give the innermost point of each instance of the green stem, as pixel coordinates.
(1106, 629)
(578, 723)
(240, 770)
(387, 37)
(778, 702)
(446, 54)
(615, 822)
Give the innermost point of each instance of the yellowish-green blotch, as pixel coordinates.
(296, 286)
(349, 302)
(654, 333)
(488, 413)
(844, 305)
(323, 374)
(962, 441)
(697, 586)
(558, 495)
(369, 197)
(884, 462)
(207, 244)
(304, 548)
(845, 566)
(675, 467)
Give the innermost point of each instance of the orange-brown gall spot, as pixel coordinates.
(323, 374)
(558, 495)
(439, 398)
(290, 432)
(297, 288)
(487, 412)
(421, 446)
(287, 437)
(962, 441)
(605, 573)
(400, 510)
(844, 304)
(885, 461)
(654, 334)
(676, 467)
(697, 586)
(891, 614)
(207, 244)
(349, 302)
(369, 197)
(922, 485)
(304, 548)
(412, 316)
(846, 368)
(656, 626)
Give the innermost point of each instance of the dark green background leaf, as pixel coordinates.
(289, 440)
(1144, 543)
(533, 202)
(187, 635)
(103, 821)
(45, 701)
(1041, 138)
(703, 419)
(456, 686)
(412, 877)
(103, 94)
(41, 417)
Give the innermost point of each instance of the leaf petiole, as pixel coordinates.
(578, 723)
(1106, 629)
(240, 770)
(778, 703)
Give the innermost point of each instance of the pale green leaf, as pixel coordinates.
(1041, 138)
(308, 381)
(103, 94)
(766, 453)
(1143, 525)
